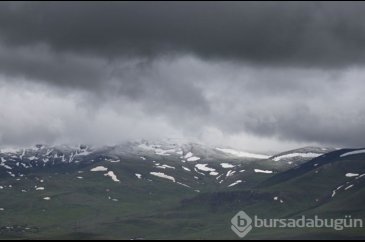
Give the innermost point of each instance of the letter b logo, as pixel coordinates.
(241, 224)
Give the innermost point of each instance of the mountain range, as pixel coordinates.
(167, 190)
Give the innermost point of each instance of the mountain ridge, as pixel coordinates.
(168, 187)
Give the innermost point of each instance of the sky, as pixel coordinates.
(255, 76)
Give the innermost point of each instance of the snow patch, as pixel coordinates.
(156, 149)
(84, 153)
(356, 152)
(9, 150)
(218, 177)
(182, 184)
(349, 187)
(162, 175)
(185, 168)
(32, 158)
(193, 158)
(112, 176)
(230, 173)
(188, 155)
(203, 167)
(99, 168)
(293, 155)
(351, 175)
(165, 167)
(235, 183)
(226, 166)
(242, 154)
(263, 171)
(197, 171)
(6, 166)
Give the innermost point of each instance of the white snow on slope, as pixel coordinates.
(185, 168)
(162, 175)
(188, 155)
(197, 171)
(139, 176)
(163, 152)
(263, 171)
(165, 167)
(356, 152)
(184, 185)
(218, 177)
(351, 175)
(193, 158)
(156, 149)
(242, 154)
(362, 175)
(83, 153)
(235, 183)
(333, 193)
(347, 188)
(112, 176)
(6, 166)
(230, 173)
(293, 155)
(203, 167)
(9, 150)
(11, 174)
(226, 166)
(99, 168)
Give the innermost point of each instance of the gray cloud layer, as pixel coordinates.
(313, 33)
(251, 73)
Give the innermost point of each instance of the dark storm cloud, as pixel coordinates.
(298, 33)
(137, 79)
(285, 72)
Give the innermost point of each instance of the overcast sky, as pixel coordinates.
(255, 76)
